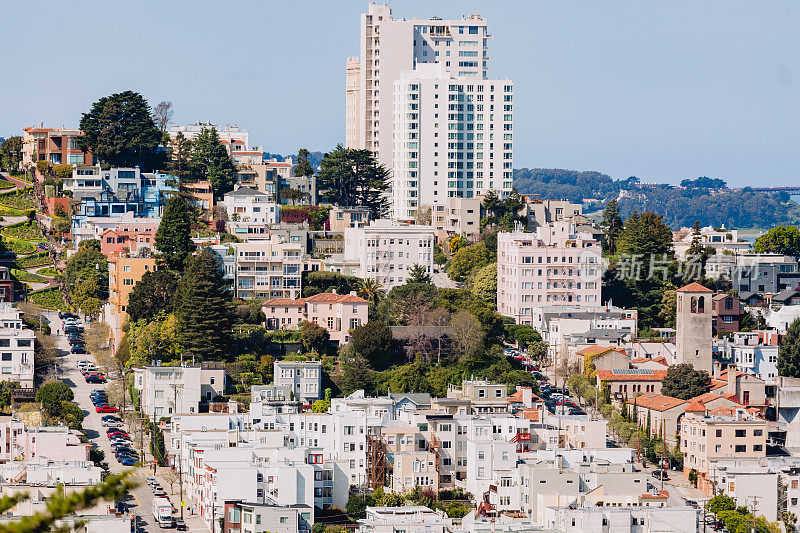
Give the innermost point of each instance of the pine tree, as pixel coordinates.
(205, 309)
(173, 238)
(210, 160)
(303, 167)
(181, 154)
(789, 352)
(612, 226)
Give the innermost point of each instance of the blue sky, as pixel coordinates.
(660, 90)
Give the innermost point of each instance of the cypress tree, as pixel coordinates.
(173, 238)
(789, 352)
(612, 226)
(205, 309)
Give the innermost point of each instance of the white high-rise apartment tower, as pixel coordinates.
(453, 138)
(394, 48)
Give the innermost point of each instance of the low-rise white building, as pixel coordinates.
(302, 378)
(408, 518)
(251, 205)
(168, 390)
(16, 347)
(388, 252)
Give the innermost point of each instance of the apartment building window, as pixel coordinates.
(757, 432)
(741, 432)
(348, 430)
(6, 357)
(26, 343)
(331, 322)
(740, 448)
(159, 394)
(719, 433)
(5, 343)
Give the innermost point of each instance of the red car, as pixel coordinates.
(118, 434)
(105, 409)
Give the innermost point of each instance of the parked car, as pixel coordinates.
(105, 409)
(78, 348)
(180, 525)
(65, 314)
(95, 378)
(662, 475)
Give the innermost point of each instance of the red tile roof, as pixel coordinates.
(277, 302)
(330, 297)
(694, 287)
(530, 414)
(724, 375)
(695, 406)
(656, 402)
(517, 396)
(599, 350)
(612, 375)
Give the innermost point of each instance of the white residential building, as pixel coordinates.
(16, 347)
(268, 269)
(554, 266)
(302, 378)
(628, 519)
(390, 47)
(408, 518)
(453, 138)
(251, 205)
(388, 252)
(168, 390)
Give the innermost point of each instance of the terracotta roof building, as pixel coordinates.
(338, 313)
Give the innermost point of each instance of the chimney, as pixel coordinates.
(333, 291)
(353, 293)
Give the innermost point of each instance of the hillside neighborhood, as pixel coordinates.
(389, 337)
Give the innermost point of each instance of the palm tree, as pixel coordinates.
(371, 291)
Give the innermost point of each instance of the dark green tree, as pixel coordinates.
(351, 177)
(356, 374)
(11, 153)
(157, 447)
(612, 226)
(303, 167)
(789, 352)
(780, 240)
(174, 235)
(645, 234)
(87, 272)
(684, 382)
(210, 160)
(155, 293)
(374, 342)
(314, 337)
(293, 195)
(357, 504)
(205, 308)
(179, 165)
(120, 131)
(418, 274)
(71, 415)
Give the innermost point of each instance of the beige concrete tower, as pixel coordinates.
(693, 324)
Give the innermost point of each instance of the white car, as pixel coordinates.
(111, 424)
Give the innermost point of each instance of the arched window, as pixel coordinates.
(701, 308)
(694, 304)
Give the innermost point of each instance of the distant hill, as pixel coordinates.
(315, 158)
(703, 199)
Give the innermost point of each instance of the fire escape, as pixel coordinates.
(376, 461)
(523, 442)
